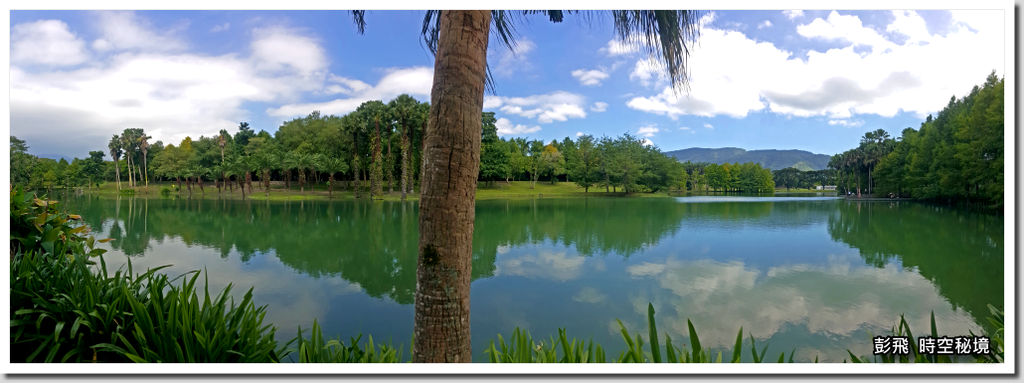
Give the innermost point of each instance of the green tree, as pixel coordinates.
(585, 162)
(493, 153)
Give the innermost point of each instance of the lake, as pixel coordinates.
(812, 274)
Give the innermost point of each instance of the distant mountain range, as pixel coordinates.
(770, 158)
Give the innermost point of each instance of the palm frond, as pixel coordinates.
(666, 35)
(672, 31)
(359, 18)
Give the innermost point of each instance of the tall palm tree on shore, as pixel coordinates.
(115, 152)
(144, 147)
(403, 108)
(331, 166)
(459, 40)
(266, 162)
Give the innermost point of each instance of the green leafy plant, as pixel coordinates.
(317, 350)
(64, 311)
(127, 192)
(165, 191)
(521, 348)
(38, 226)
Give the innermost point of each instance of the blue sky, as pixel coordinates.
(810, 80)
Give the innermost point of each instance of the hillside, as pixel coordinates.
(770, 158)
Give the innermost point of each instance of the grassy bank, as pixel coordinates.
(500, 190)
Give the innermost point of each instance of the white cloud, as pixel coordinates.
(616, 47)
(545, 265)
(871, 75)
(793, 14)
(846, 28)
(547, 108)
(220, 28)
(687, 129)
(846, 123)
(977, 19)
(719, 297)
(646, 142)
(579, 134)
(175, 94)
(647, 131)
(765, 24)
(124, 30)
(589, 295)
(599, 106)
(278, 48)
(591, 77)
(47, 42)
(648, 71)
(504, 61)
(505, 128)
(709, 126)
(414, 81)
(911, 24)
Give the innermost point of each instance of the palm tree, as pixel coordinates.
(222, 141)
(452, 153)
(376, 176)
(333, 165)
(287, 164)
(215, 171)
(183, 173)
(303, 162)
(350, 124)
(249, 166)
(128, 143)
(144, 147)
(403, 108)
(240, 168)
(266, 162)
(115, 153)
(317, 163)
(197, 171)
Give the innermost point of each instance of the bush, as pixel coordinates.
(127, 192)
(165, 191)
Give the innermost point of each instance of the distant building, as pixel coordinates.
(827, 187)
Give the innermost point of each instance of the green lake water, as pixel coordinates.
(811, 274)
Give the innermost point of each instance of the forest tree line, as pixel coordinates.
(375, 148)
(955, 157)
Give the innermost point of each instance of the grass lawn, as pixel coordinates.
(500, 190)
(794, 190)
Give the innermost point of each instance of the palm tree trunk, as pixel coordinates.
(405, 160)
(128, 161)
(444, 263)
(146, 167)
(330, 186)
(117, 173)
(391, 166)
(266, 175)
(423, 149)
(355, 163)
